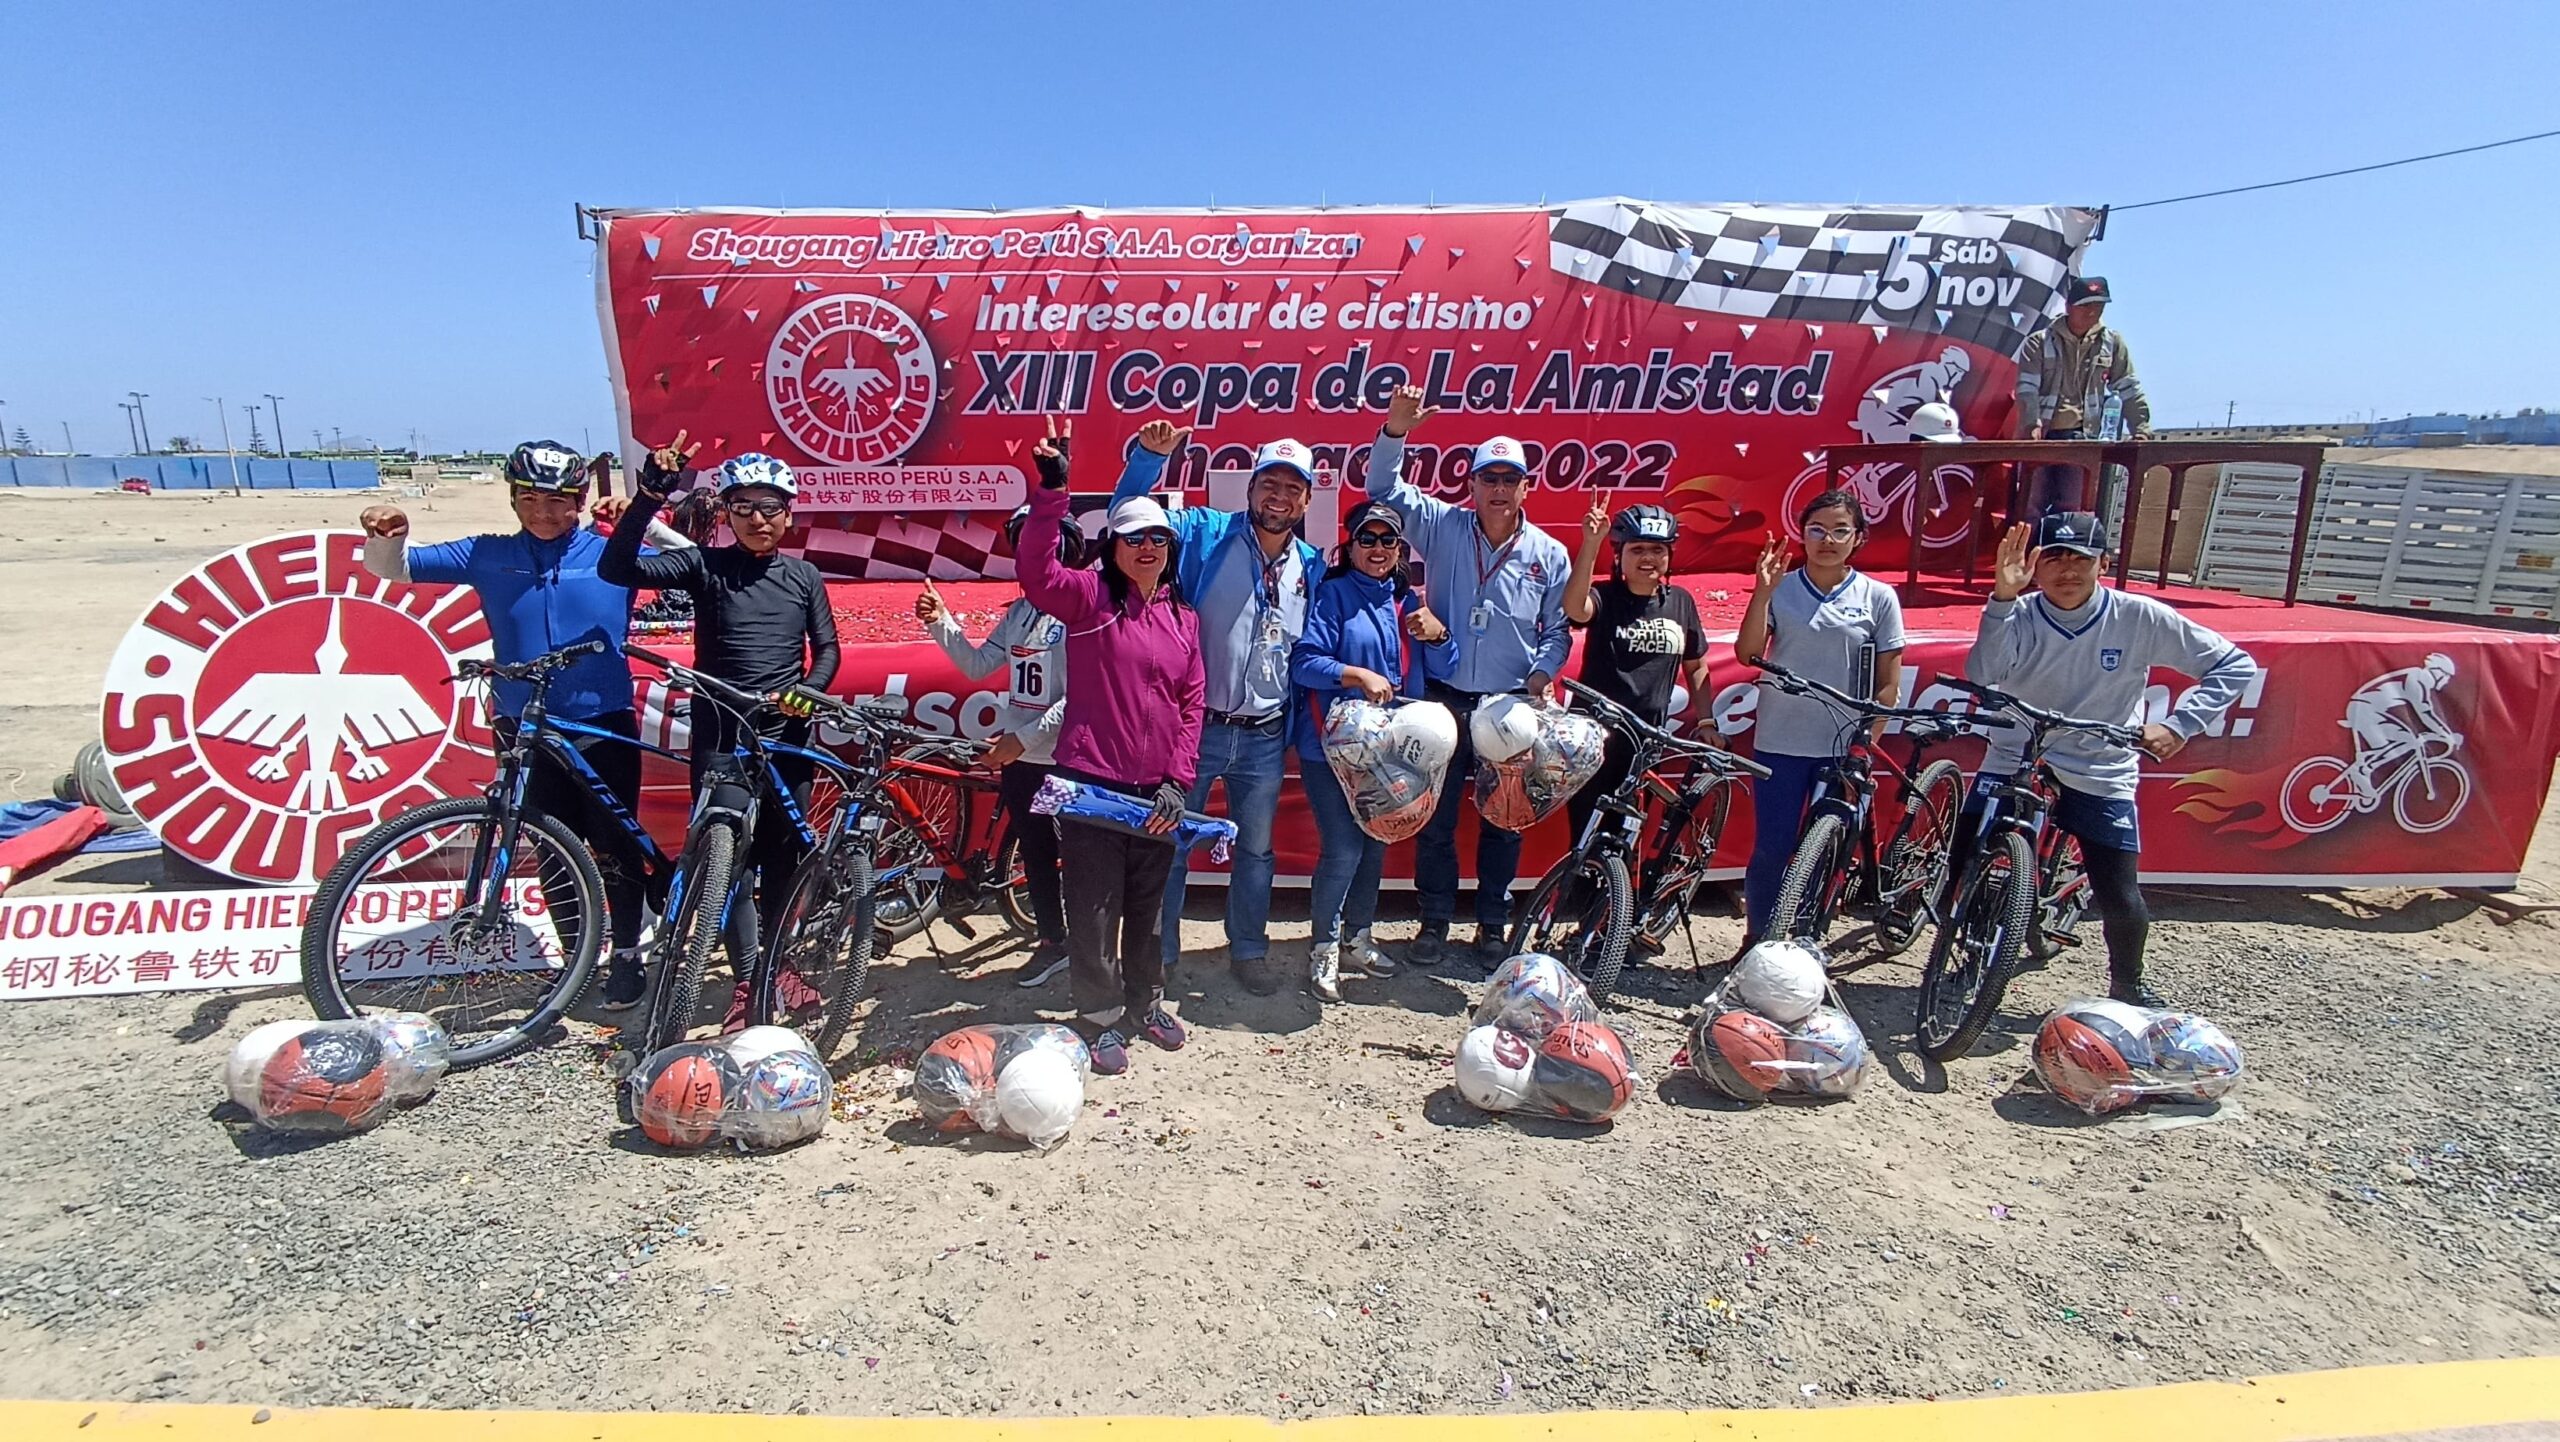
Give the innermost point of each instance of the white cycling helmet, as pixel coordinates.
(755, 468)
(2440, 666)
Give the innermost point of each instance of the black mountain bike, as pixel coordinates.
(1837, 864)
(1584, 908)
(2014, 856)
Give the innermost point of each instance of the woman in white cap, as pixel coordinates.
(1132, 725)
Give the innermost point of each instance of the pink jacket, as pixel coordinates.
(1135, 697)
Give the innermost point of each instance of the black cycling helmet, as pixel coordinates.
(546, 466)
(1644, 523)
(1070, 536)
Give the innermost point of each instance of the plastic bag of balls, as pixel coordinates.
(759, 1089)
(1531, 759)
(1539, 1047)
(1390, 761)
(332, 1078)
(2104, 1056)
(1102, 806)
(1776, 1028)
(1023, 1082)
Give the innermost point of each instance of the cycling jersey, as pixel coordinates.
(538, 596)
(1032, 647)
(760, 623)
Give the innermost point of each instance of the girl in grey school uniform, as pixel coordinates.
(1828, 622)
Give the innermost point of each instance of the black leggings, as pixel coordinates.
(775, 849)
(1038, 837)
(2123, 913)
(553, 789)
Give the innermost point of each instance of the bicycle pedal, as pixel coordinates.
(2061, 937)
(961, 925)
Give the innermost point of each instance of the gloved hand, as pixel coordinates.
(1051, 455)
(665, 468)
(1168, 809)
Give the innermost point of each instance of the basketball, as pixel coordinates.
(1494, 1069)
(955, 1082)
(1502, 794)
(1740, 1053)
(1583, 1072)
(2082, 1066)
(329, 1079)
(244, 1069)
(684, 1093)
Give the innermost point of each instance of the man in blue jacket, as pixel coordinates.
(540, 591)
(1248, 575)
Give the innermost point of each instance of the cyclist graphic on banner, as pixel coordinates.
(1915, 403)
(2404, 756)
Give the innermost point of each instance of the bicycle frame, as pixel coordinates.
(982, 834)
(538, 731)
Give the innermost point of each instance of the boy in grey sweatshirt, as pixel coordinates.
(2087, 650)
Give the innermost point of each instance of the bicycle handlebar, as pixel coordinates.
(1912, 717)
(1613, 714)
(533, 670)
(2129, 737)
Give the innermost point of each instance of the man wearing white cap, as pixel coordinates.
(1248, 575)
(1499, 582)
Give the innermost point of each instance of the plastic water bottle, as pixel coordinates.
(2111, 419)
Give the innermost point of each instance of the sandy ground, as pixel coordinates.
(1293, 1216)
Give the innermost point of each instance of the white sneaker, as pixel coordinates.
(1361, 954)
(1324, 970)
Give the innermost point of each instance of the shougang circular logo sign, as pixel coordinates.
(851, 380)
(280, 701)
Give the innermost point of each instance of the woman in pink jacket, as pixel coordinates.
(1134, 710)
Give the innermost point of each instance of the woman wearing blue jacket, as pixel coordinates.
(1366, 633)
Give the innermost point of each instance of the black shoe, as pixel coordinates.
(1047, 960)
(2136, 994)
(625, 982)
(1490, 950)
(1429, 944)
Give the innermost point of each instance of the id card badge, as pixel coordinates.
(1481, 617)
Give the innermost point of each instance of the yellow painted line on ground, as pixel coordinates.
(2361, 1402)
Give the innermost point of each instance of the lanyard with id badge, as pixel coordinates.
(1274, 645)
(1481, 616)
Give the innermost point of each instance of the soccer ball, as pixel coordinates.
(1583, 1072)
(330, 1079)
(1039, 1096)
(758, 1042)
(1532, 994)
(418, 1052)
(2194, 1055)
(1782, 980)
(1495, 1069)
(684, 1093)
(1742, 1054)
(782, 1099)
(1826, 1054)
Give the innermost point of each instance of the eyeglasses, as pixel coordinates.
(1500, 478)
(758, 508)
(1149, 538)
(1821, 535)
(1376, 538)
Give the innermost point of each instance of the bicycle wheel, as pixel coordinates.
(2430, 795)
(907, 855)
(1014, 895)
(690, 934)
(2062, 896)
(2316, 795)
(1915, 861)
(1679, 866)
(1581, 914)
(1808, 898)
(396, 926)
(1968, 970)
(825, 937)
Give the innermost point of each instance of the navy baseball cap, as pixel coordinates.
(2087, 290)
(2075, 531)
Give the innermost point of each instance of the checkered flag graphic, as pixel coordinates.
(1985, 275)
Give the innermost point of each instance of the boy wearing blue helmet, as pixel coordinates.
(761, 623)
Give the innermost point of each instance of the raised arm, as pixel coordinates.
(1994, 657)
(1157, 441)
(1578, 606)
(664, 469)
(1074, 597)
(1751, 643)
(1385, 480)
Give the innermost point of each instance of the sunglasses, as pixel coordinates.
(1821, 535)
(1149, 538)
(757, 508)
(1500, 478)
(1376, 538)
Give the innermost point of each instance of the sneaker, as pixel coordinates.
(1324, 969)
(1048, 961)
(1490, 950)
(1258, 975)
(625, 982)
(1429, 944)
(2137, 994)
(797, 996)
(1361, 956)
(1162, 1029)
(1110, 1052)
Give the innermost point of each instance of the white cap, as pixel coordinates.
(1499, 451)
(1936, 421)
(1138, 513)
(1289, 455)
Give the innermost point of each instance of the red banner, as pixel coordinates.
(1701, 356)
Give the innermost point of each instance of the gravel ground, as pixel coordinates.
(1297, 1216)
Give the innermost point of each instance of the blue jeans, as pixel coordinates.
(1435, 851)
(1344, 897)
(1777, 824)
(1249, 760)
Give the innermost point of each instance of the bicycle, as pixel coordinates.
(1837, 864)
(1584, 907)
(479, 894)
(946, 849)
(2318, 794)
(1991, 915)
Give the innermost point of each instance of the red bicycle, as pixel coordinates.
(946, 847)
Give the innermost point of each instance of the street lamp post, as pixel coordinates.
(225, 417)
(283, 447)
(141, 418)
(68, 448)
(129, 438)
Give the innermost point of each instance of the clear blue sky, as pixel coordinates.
(366, 207)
